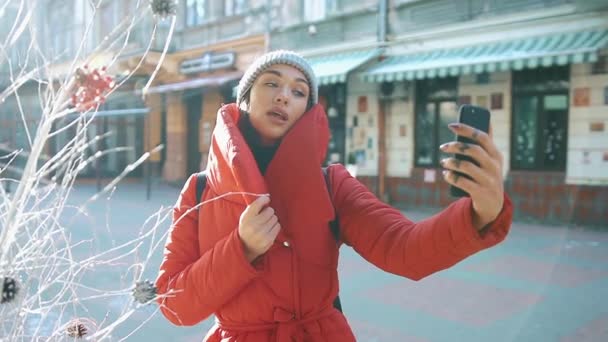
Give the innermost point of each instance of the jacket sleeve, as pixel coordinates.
(193, 285)
(387, 239)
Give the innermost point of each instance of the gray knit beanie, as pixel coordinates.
(277, 57)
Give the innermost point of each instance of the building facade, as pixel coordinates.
(215, 41)
(392, 75)
(539, 66)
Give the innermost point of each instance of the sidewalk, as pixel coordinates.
(544, 283)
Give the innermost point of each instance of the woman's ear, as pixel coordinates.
(244, 105)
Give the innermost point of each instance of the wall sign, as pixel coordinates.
(209, 61)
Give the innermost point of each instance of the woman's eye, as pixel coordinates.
(271, 84)
(299, 93)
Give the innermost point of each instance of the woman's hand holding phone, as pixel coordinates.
(480, 175)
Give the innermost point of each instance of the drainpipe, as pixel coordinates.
(268, 25)
(382, 20)
(383, 106)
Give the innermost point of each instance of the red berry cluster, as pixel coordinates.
(91, 88)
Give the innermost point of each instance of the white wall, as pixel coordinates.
(587, 150)
(400, 149)
(367, 128)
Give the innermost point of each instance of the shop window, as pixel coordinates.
(601, 66)
(540, 120)
(60, 34)
(436, 107)
(234, 7)
(483, 78)
(314, 9)
(137, 34)
(197, 12)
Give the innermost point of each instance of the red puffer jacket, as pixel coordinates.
(287, 294)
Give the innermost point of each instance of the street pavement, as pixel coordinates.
(544, 283)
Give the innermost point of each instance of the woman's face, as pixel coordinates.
(278, 98)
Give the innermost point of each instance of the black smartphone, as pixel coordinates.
(479, 118)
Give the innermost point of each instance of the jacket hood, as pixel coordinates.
(232, 167)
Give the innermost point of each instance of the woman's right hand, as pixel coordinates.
(258, 228)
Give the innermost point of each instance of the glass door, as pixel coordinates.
(540, 132)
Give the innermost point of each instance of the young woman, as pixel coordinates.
(262, 257)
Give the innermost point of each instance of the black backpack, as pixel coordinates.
(334, 226)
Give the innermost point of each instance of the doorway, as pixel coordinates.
(194, 105)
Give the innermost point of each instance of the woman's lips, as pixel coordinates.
(277, 116)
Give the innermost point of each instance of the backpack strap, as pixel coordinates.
(201, 183)
(334, 225)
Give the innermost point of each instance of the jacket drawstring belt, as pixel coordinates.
(287, 328)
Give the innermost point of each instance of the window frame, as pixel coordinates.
(422, 99)
(236, 8)
(60, 31)
(198, 19)
(317, 11)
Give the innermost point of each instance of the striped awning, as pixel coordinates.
(533, 52)
(331, 69)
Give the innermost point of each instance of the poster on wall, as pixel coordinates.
(581, 97)
(361, 137)
(596, 127)
(362, 104)
(430, 175)
(464, 99)
(496, 101)
(482, 101)
(606, 95)
(586, 159)
(360, 157)
(334, 158)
